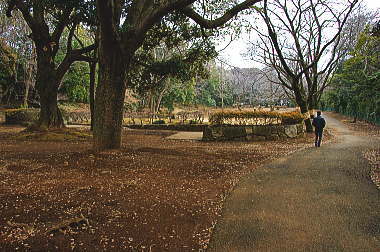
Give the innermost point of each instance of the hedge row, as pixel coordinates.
(257, 117)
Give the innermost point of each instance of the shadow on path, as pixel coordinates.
(319, 199)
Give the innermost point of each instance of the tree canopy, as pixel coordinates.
(356, 86)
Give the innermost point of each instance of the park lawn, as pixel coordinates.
(152, 195)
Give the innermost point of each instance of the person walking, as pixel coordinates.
(319, 123)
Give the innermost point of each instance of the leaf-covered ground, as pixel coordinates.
(152, 195)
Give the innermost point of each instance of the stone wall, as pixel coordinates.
(77, 117)
(252, 132)
(21, 116)
(176, 127)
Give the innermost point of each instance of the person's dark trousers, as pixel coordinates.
(318, 137)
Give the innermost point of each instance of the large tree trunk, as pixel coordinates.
(166, 83)
(50, 114)
(27, 82)
(47, 86)
(109, 99)
(313, 101)
(92, 92)
(303, 104)
(305, 110)
(26, 94)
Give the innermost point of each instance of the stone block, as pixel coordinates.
(275, 129)
(291, 131)
(262, 130)
(240, 139)
(273, 138)
(259, 138)
(281, 129)
(300, 128)
(234, 132)
(207, 134)
(248, 130)
(217, 132)
(282, 137)
(282, 134)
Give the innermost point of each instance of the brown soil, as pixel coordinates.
(152, 195)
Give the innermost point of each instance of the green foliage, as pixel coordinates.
(207, 92)
(7, 65)
(356, 87)
(76, 83)
(179, 93)
(255, 117)
(210, 92)
(174, 53)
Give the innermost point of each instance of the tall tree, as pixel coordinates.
(15, 33)
(355, 89)
(360, 18)
(8, 61)
(301, 44)
(175, 51)
(123, 29)
(47, 20)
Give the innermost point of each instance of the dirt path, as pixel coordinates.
(319, 199)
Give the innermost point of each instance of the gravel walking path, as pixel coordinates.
(319, 199)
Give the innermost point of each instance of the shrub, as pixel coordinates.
(292, 117)
(255, 117)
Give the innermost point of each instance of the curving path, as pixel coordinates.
(319, 199)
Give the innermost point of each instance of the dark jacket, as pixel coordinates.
(319, 123)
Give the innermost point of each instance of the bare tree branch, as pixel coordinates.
(228, 15)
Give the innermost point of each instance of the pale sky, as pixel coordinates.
(233, 54)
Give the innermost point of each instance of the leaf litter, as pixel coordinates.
(153, 194)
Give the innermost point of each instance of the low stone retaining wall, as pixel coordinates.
(177, 127)
(76, 117)
(21, 116)
(252, 132)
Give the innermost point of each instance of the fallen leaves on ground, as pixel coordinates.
(373, 156)
(152, 195)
